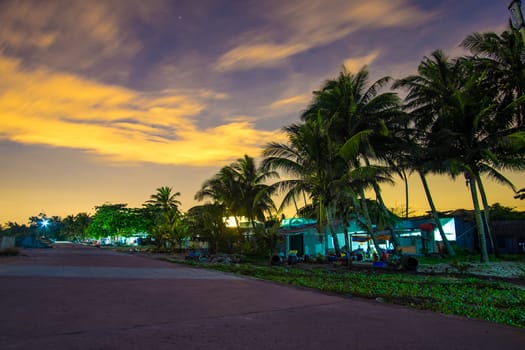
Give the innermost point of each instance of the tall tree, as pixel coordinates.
(206, 223)
(310, 163)
(241, 189)
(257, 202)
(429, 95)
(353, 108)
(165, 199)
(223, 190)
(501, 58)
(74, 226)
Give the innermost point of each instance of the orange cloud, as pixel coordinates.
(354, 64)
(62, 110)
(257, 55)
(299, 100)
(312, 24)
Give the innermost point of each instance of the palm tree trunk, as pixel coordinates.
(379, 198)
(348, 243)
(368, 221)
(329, 217)
(479, 220)
(320, 218)
(405, 179)
(304, 199)
(486, 216)
(238, 224)
(448, 247)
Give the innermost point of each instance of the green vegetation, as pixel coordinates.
(471, 297)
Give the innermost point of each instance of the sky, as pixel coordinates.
(106, 101)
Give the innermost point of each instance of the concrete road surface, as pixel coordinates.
(88, 298)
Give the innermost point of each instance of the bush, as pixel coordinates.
(13, 251)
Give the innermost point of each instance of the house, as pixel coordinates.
(509, 235)
(302, 235)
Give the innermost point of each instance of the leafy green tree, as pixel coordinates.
(14, 229)
(109, 220)
(48, 226)
(267, 239)
(171, 231)
(501, 212)
(167, 227)
(74, 226)
(206, 223)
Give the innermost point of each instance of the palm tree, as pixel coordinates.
(222, 189)
(354, 107)
(310, 164)
(466, 126)
(206, 222)
(292, 159)
(164, 199)
(256, 194)
(173, 228)
(501, 58)
(481, 140)
(429, 94)
(240, 187)
(164, 206)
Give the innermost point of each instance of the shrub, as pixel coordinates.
(13, 251)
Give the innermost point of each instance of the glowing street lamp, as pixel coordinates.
(516, 16)
(44, 223)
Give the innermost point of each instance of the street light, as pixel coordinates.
(516, 16)
(44, 223)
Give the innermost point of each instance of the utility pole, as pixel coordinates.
(517, 17)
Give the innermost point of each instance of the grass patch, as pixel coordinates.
(470, 297)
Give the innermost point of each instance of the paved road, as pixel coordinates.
(88, 298)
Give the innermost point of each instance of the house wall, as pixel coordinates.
(7, 242)
(466, 234)
(510, 235)
(313, 245)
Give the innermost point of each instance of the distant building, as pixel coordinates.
(302, 235)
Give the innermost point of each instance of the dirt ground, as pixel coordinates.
(503, 269)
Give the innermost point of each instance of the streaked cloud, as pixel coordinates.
(62, 110)
(75, 36)
(306, 24)
(298, 101)
(266, 55)
(354, 64)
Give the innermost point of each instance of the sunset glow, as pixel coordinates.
(104, 101)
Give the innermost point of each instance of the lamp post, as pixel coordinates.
(44, 224)
(517, 17)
